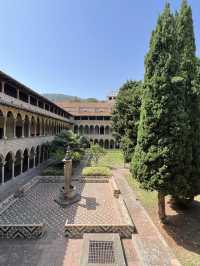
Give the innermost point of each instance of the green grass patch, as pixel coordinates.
(112, 159)
(148, 198)
(96, 171)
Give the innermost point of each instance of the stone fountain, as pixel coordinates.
(68, 194)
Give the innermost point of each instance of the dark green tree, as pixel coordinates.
(161, 152)
(126, 115)
(187, 69)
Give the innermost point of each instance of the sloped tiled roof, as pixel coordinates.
(103, 108)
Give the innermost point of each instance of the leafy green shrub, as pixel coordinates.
(76, 156)
(96, 171)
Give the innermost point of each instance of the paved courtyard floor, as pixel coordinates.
(145, 248)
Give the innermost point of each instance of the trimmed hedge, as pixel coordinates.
(96, 171)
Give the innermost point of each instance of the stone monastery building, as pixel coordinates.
(29, 122)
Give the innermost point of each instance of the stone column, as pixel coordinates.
(34, 160)
(14, 129)
(29, 129)
(29, 99)
(21, 170)
(28, 162)
(17, 93)
(23, 122)
(4, 128)
(35, 130)
(13, 169)
(2, 172)
(67, 175)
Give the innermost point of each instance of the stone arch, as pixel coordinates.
(107, 130)
(2, 121)
(76, 129)
(101, 130)
(8, 168)
(31, 157)
(26, 126)
(106, 144)
(81, 130)
(42, 154)
(10, 125)
(86, 130)
(25, 160)
(96, 130)
(101, 143)
(96, 141)
(19, 126)
(33, 126)
(92, 130)
(112, 144)
(18, 162)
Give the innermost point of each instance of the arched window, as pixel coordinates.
(81, 130)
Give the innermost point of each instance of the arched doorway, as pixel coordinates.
(25, 160)
(101, 143)
(31, 158)
(76, 129)
(18, 161)
(106, 144)
(112, 144)
(86, 130)
(8, 168)
(10, 125)
(96, 141)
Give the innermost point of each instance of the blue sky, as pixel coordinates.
(79, 47)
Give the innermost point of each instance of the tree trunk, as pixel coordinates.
(161, 207)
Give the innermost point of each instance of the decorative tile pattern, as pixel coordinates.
(21, 231)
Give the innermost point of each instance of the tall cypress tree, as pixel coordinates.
(160, 155)
(187, 69)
